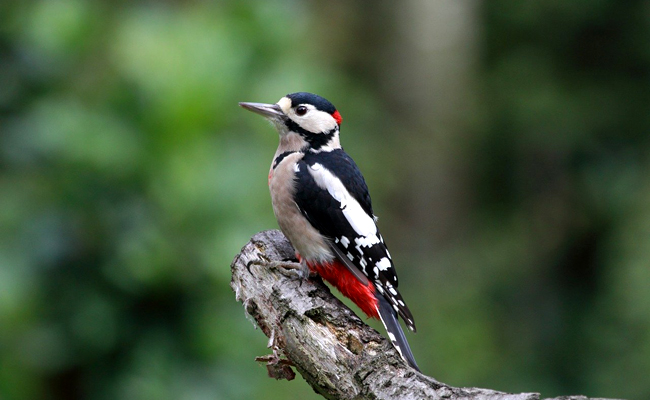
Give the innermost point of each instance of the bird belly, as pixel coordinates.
(307, 241)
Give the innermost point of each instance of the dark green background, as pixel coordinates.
(505, 144)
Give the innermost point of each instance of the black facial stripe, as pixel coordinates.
(315, 140)
(294, 127)
(281, 157)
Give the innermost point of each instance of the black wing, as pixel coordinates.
(332, 194)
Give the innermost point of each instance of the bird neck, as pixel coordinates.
(291, 142)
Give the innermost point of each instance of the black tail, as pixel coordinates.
(395, 332)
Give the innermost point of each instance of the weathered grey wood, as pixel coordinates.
(336, 353)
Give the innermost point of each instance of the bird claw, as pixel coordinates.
(290, 269)
(276, 366)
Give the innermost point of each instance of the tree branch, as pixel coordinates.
(336, 353)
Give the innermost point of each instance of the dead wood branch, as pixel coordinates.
(336, 353)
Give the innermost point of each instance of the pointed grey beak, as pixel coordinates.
(269, 111)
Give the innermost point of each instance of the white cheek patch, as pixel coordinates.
(316, 121)
(313, 121)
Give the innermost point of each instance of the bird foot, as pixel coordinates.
(291, 269)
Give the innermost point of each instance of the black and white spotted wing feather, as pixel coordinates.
(339, 207)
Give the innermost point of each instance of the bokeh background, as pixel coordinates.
(505, 144)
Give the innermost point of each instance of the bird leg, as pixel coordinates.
(291, 269)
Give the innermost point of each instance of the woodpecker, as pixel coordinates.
(323, 207)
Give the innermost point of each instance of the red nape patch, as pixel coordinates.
(337, 117)
(340, 277)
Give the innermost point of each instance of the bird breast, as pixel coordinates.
(307, 241)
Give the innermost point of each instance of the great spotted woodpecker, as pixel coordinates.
(322, 205)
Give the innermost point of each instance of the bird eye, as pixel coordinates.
(301, 110)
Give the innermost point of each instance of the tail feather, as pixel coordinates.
(395, 333)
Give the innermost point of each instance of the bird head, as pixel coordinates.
(311, 117)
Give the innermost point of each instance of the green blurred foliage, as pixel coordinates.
(130, 179)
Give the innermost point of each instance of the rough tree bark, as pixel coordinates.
(336, 353)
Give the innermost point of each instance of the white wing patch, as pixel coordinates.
(383, 264)
(366, 241)
(362, 223)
